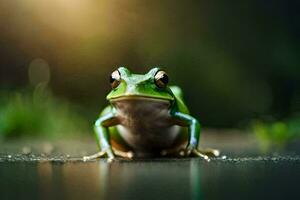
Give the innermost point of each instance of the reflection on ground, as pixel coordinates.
(257, 178)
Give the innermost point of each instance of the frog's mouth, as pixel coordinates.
(140, 98)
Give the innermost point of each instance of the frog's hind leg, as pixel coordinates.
(119, 146)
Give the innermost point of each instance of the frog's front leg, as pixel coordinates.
(102, 135)
(194, 136)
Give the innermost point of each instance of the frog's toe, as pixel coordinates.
(128, 154)
(193, 151)
(198, 153)
(100, 154)
(94, 156)
(190, 152)
(110, 159)
(210, 152)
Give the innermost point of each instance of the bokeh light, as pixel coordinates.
(234, 61)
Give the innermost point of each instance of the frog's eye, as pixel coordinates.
(161, 79)
(115, 79)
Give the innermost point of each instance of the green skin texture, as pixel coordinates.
(131, 85)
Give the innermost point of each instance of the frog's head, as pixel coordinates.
(126, 85)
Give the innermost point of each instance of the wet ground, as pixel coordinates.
(54, 170)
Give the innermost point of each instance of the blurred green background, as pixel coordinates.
(236, 60)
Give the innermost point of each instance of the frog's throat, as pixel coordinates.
(139, 97)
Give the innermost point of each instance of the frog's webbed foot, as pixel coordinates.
(108, 152)
(203, 153)
(210, 152)
(193, 152)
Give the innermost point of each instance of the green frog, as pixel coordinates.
(146, 118)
